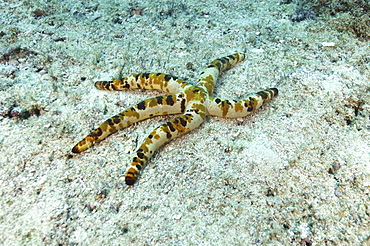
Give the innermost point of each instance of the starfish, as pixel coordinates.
(193, 101)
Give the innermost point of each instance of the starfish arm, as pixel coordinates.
(192, 118)
(161, 105)
(233, 109)
(208, 77)
(155, 81)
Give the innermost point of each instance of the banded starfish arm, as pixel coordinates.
(182, 124)
(208, 77)
(155, 81)
(161, 105)
(233, 109)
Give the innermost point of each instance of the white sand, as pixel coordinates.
(262, 179)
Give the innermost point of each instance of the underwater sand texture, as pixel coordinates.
(297, 172)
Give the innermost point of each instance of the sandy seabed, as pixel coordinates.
(297, 172)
